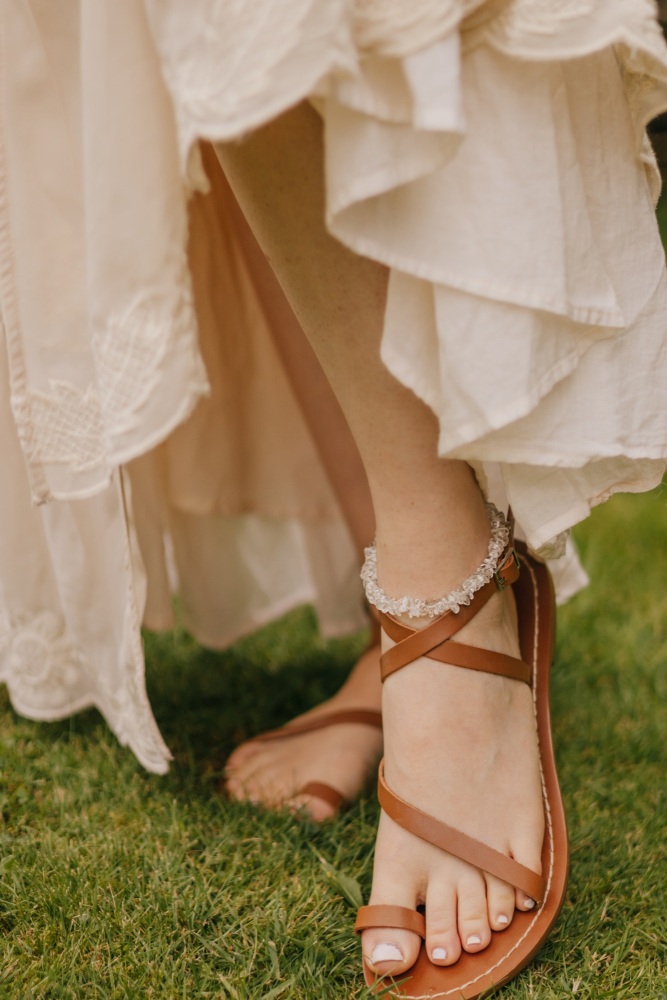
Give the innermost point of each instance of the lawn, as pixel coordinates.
(116, 883)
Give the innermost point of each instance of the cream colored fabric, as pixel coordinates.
(236, 497)
(233, 511)
(491, 153)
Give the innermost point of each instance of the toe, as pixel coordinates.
(524, 902)
(442, 940)
(527, 854)
(311, 806)
(240, 778)
(240, 784)
(258, 782)
(473, 920)
(242, 791)
(388, 951)
(500, 898)
(234, 787)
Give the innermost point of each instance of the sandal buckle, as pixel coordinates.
(501, 582)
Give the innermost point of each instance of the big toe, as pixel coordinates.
(313, 806)
(397, 881)
(389, 951)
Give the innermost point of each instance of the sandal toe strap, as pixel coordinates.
(399, 917)
(455, 842)
(328, 794)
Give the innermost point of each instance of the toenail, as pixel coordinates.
(474, 939)
(529, 903)
(439, 954)
(502, 918)
(386, 953)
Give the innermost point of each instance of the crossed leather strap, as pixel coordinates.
(435, 642)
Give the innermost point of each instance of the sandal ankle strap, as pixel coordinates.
(434, 641)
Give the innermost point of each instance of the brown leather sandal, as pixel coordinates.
(474, 975)
(360, 716)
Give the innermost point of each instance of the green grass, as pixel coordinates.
(116, 883)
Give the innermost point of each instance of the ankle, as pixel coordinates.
(418, 607)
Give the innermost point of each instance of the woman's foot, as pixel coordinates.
(342, 756)
(462, 746)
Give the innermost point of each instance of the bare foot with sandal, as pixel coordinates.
(323, 759)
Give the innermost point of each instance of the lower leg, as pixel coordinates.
(339, 298)
(273, 772)
(458, 744)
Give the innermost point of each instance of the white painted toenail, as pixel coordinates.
(474, 939)
(529, 903)
(503, 919)
(439, 954)
(386, 953)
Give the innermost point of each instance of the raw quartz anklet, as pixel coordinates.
(415, 607)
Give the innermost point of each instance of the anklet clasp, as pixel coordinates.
(501, 582)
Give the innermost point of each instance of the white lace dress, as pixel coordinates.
(492, 154)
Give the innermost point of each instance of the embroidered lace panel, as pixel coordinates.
(67, 425)
(74, 425)
(131, 351)
(48, 678)
(37, 654)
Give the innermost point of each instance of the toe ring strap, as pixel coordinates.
(397, 917)
(319, 790)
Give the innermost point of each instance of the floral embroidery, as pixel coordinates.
(74, 425)
(49, 678)
(131, 350)
(36, 653)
